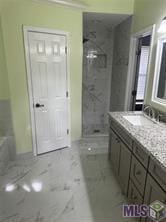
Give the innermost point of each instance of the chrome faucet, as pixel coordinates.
(146, 108)
(160, 117)
(151, 111)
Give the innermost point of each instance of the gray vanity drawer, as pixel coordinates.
(121, 132)
(133, 195)
(138, 175)
(153, 192)
(140, 154)
(158, 173)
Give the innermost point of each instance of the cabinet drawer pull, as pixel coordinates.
(138, 172)
(135, 198)
(117, 140)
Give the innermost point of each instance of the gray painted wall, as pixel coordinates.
(120, 64)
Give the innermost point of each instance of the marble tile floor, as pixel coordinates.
(70, 185)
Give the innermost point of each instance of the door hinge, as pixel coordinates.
(67, 131)
(134, 93)
(138, 52)
(67, 94)
(66, 49)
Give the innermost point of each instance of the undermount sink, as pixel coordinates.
(139, 120)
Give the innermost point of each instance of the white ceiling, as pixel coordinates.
(109, 20)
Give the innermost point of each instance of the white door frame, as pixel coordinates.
(132, 63)
(27, 29)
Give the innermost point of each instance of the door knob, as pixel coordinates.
(39, 105)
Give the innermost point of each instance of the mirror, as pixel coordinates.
(159, 84)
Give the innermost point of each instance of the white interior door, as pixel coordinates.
(48, 67)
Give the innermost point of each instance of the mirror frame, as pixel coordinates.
(155, 99)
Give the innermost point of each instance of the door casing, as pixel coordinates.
(27, 29)
(132, 63)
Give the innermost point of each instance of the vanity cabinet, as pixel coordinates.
(122, 134)
(141, 178)
(140, 154)
(124, 167)
(153, 192)
(134, 196)
(114, 151)
(158, 173)
(120, 157)
(138, 175)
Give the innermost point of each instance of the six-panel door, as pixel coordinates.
(49, 86)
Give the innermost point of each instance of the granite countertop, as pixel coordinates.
(151, 137)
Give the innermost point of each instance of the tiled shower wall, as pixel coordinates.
(120, 65)
(96, 76)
